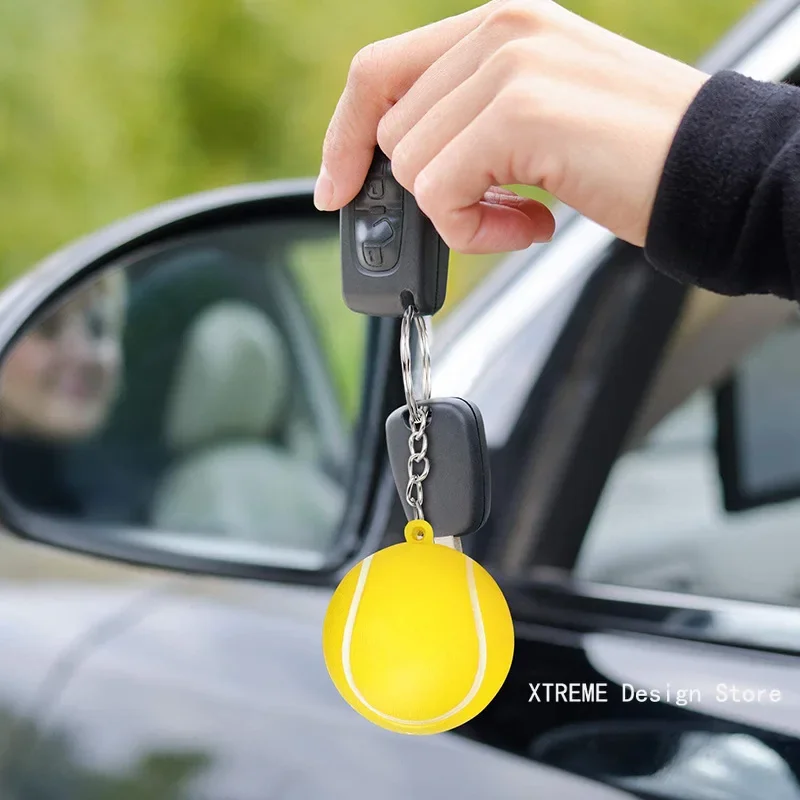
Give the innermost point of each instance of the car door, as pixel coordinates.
(667, 631)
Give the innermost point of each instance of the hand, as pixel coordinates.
(512, 92)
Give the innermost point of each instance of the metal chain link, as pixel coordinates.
(418, 462)
(414, 491)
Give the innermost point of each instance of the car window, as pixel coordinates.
(662, 523)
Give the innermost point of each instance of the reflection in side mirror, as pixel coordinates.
(183, 400)
(758, 425)
(60, 379)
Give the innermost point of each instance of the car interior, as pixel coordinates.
(661, 522)
(213, 431)
(230, 477)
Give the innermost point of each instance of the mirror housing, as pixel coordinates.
(55, 283)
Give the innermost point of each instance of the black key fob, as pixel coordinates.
(457, 491)
(392, 256)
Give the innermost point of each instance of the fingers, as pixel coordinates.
(500, 226)
(454, 67)
(380, 74)
(455, 198)
(444, 121)
(531, 222)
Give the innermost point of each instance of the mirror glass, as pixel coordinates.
(759, 431)
(199, 394)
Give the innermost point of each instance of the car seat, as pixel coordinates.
(118, 471)
(231, 389)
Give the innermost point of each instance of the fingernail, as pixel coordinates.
(323, 190)
(503, 198)
(501, 191)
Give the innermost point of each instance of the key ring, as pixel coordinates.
(412, 316)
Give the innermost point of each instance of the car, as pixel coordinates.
(192, 455)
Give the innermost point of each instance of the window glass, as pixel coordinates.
(661, 522)
(768, 425)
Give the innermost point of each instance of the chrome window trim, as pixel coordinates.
(753, 622)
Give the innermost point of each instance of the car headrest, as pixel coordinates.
(232, 378)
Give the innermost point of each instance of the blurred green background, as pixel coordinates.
(108, 106)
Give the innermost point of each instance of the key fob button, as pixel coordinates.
(380, 189)
(378, 241)
(373, 256)
(375, 189)
(380, 233)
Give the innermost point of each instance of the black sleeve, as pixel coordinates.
(727, 211)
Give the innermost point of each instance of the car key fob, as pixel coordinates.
(392, 256)
(458, 488)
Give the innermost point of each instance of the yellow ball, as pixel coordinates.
(418, 637)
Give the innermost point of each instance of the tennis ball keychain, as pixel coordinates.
(418, 637)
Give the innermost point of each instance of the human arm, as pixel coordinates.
(525, 92)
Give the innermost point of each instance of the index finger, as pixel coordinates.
(379, 76)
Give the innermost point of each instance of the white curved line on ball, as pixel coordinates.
(348, 637)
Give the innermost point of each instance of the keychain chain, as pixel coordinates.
(417, 410)
(418, 415)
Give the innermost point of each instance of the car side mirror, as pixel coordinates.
(186, 389)
(758, 424)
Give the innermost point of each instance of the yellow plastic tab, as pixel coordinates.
(418, 530)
